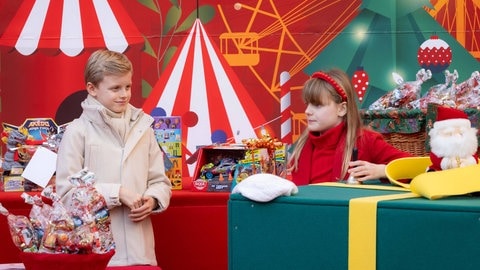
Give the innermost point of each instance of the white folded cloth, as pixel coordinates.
(264, 187)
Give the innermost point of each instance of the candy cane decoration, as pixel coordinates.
(286, 117)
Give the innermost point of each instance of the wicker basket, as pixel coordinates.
(404, 129)
(413, 143)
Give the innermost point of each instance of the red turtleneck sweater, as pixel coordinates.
(321, 157)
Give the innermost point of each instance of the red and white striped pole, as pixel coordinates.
(286, 116)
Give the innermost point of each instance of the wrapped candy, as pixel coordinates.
(21, 230)
(88, 209)
(442, 94)
(468, 92)
(39, 215)
(57, 233)
(403, 94)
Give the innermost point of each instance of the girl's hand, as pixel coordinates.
(363, 170)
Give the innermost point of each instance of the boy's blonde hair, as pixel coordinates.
(317, 91)
(105, 62)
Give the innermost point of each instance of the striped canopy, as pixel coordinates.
(201, 87)
(71, 26)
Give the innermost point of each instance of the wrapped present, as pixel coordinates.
(402, 96)
(400, 233)
(80, 228)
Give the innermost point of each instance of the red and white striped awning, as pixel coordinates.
(199, 82)
(71, 26)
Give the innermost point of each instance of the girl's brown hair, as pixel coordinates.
(319, 91)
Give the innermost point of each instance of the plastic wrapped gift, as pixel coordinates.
(42, 261)
(402, 95)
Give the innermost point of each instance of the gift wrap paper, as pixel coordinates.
(320, 229)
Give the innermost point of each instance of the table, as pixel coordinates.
(190, 234)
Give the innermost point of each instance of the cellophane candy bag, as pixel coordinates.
(39, 215)
(468, 92)
(442, 94)
(404, 94)
(56, 237)
(90, 214)
(21, 230)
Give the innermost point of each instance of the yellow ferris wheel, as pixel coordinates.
(461, 18)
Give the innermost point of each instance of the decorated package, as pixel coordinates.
(21, 230)
(467, 93)
(39, 215)
(56, 237)
(442, 94)
(88, 210)
(404, 94)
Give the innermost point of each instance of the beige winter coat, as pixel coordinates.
(136, 163)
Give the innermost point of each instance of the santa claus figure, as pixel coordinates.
(453, 140)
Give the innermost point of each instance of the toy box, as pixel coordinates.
(215, 168)
(21, 143)
(220, 168)
(259, 160)
(169, 136)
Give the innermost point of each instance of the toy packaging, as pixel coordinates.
(220, 168)
(21, 142)
(215, 168)
(168, 133)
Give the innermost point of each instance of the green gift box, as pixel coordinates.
(310, 231)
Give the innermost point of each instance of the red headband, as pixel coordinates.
(332, 82)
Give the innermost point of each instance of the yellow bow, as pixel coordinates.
(433, 185)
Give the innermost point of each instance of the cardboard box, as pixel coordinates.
(310, 231)
(260, 161)
(169, 136)
(215, 168)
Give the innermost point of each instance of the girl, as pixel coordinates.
(335, 145)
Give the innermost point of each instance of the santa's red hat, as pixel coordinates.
(448, 117)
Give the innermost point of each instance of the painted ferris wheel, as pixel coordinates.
(246, 47)
(461, 19)
(269, 45)
(243, 47)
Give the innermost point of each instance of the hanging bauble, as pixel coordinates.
(434, 54)
(360, 82)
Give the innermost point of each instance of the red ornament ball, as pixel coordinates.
(434, 54)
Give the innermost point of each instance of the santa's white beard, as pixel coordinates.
(458, 142)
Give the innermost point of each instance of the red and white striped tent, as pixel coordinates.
(45, 47)
(201, 87)
(71, 26)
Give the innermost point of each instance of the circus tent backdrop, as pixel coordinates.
(200, 86)
(59, 36)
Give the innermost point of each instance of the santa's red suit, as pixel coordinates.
(453, 140)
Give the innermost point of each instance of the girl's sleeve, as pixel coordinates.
(382, 152)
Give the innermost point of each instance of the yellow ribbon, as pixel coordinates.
(433, 185)
(362, 230)
(362, 226)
